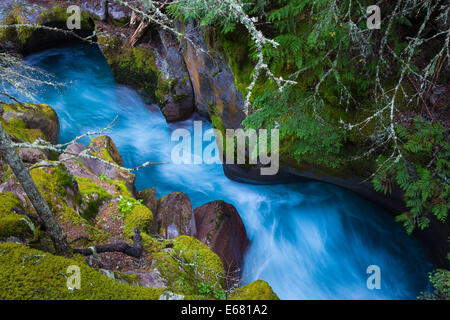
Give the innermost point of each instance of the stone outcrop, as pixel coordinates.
(174, 216)
(212, 80)
(28, 122)
(175, 88)
(221, 228)
(104, 148)
(25, 40)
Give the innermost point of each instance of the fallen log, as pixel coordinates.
(134, 251)
(139, 33)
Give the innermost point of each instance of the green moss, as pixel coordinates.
(53, 191)
(120, 22)
(12, 224)
(133, 66)
(17, 128)
(56, 15)
(237, 50)
(16, 125)
(92, 197)
(128, 278)
(257, 290)
(7, 173)
(190, 266)
(32, 274)
(105, 152)
(119, 185)
(16, 35)
(140, 216)
(122, 188)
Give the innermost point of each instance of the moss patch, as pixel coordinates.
(20, 120)
(32, 274)
(92, 197)
(56, 15)
(257, 290)
(12, 224)
(140, 217)
(18, 129)
(133, 66)
(190, 267)
(52, 184)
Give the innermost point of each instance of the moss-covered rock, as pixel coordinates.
(140, 216)
(32, 274)
(28, 39)
(98, 170)
(257, 290)
(191, 268)
(104, 148)
(11, 223)
(59, 190)
(92, 197)
(28, 122)
(133, 66)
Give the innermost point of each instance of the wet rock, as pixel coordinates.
(174, 111)
(174, 216)
(212, 80)
(175, 88)
(219, 226)
(148, 197)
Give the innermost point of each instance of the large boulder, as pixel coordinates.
(28, 122)
(219, 226)
(174, 85)
(175, 216)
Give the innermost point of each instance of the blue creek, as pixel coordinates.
(309, 240)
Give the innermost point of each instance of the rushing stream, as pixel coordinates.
(308, 240)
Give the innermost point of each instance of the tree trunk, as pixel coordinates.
(22, 174)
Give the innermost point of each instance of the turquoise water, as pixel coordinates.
(308, 240)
